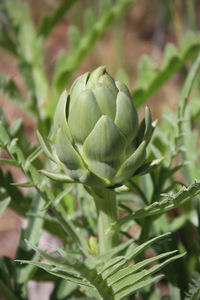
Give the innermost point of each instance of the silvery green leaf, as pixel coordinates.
(131, 269)
(116, 263)
(47, 147)
(57, 176)
(169, 202)
(24, 184)
(135, 288)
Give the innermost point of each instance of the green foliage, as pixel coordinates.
(65, 70)
(50, 21)
(81, 44)
(194, 288)
(10, 270)
(9, 89)
(162, 196)
(110, 278)
(150, 79)
(169, 202)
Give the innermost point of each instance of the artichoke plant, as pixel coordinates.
(98, 141)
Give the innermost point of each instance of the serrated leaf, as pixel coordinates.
(131, 269)
(63, 274)
(73, 271)
(140, 276)
(194, 288)
(170, 201)
(116, 263)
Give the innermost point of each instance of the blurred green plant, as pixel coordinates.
(156, 198)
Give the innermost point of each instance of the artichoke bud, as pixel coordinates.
(97, 128)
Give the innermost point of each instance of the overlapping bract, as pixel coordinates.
(98, 138)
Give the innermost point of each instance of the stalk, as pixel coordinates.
(106, 205)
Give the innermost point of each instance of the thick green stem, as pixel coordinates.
(146, 228)
(144, 236)
(106, 206)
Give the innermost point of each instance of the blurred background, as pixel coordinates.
(145, 27)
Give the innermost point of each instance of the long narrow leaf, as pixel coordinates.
(188, 86)
(133, 289)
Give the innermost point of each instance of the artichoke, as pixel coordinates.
(98, 138)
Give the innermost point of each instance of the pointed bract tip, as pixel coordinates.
(154, 123)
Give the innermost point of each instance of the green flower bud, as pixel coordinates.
(98, 139)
